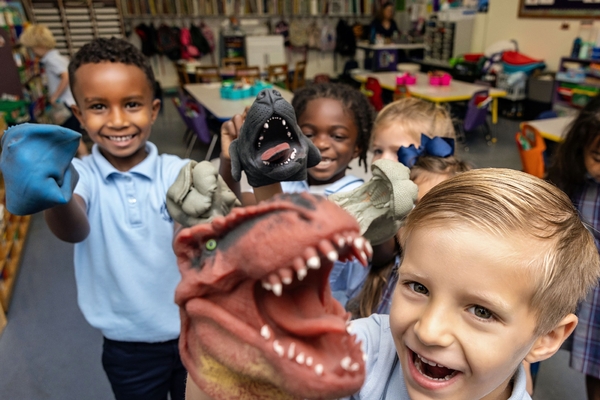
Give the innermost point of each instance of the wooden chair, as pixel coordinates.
(182, 74)
(247, 72)
(233, 62)
(299, 75)
(207, 74)
(278, 75)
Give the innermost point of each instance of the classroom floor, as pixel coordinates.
(48, 351)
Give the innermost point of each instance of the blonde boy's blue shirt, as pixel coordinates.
(385, 382)
(125, 270)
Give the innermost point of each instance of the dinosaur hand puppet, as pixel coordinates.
(257, 317)
(198, 194)
(380, 204)
(271, 147)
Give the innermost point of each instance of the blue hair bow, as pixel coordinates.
(437, 147)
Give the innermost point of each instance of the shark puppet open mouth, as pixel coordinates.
(258, 318)
(271, 147)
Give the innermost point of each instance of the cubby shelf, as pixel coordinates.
(13, 234)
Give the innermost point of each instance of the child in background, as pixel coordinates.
(402, 122)
(376, 293)
(125, 270)
(495, 262)
(338, 120)
(576, 170)
(41, 42)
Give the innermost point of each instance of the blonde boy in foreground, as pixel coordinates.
(495, 263)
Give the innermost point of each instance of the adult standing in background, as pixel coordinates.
(383, 27)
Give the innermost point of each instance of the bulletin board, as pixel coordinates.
(562, 9)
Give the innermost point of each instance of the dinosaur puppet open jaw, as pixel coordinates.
(255, 299)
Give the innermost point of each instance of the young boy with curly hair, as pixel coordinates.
(125, 269)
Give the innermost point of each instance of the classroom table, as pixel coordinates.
(209, 95)
(456, 91)
(553, 129)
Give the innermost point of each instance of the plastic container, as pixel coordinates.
(445, 80)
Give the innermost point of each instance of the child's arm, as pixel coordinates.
(62, 86)
(230, 130)
(69, 221)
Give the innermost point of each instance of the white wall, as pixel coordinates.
(537, 37)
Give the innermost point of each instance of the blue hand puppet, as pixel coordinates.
(37, 169)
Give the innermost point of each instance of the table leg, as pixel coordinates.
(495, 110)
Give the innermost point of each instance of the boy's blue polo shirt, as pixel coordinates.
(126, 271)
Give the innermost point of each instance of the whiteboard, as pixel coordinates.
(262, 51)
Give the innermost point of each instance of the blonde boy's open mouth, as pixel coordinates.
(430, 374)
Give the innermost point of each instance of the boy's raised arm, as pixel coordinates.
(69, 221)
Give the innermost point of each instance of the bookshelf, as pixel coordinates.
(75, 22)
(247, 8)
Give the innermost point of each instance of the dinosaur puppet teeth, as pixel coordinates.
(292, 352)
(340, 249)
(270, 318)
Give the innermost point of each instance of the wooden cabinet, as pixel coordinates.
(11, 250)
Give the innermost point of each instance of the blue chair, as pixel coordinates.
(199, 126)
(476, 117)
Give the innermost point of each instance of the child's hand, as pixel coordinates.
(230, 131)
(199, 194)
(37, 169)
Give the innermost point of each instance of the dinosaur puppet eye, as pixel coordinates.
(211, 244)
